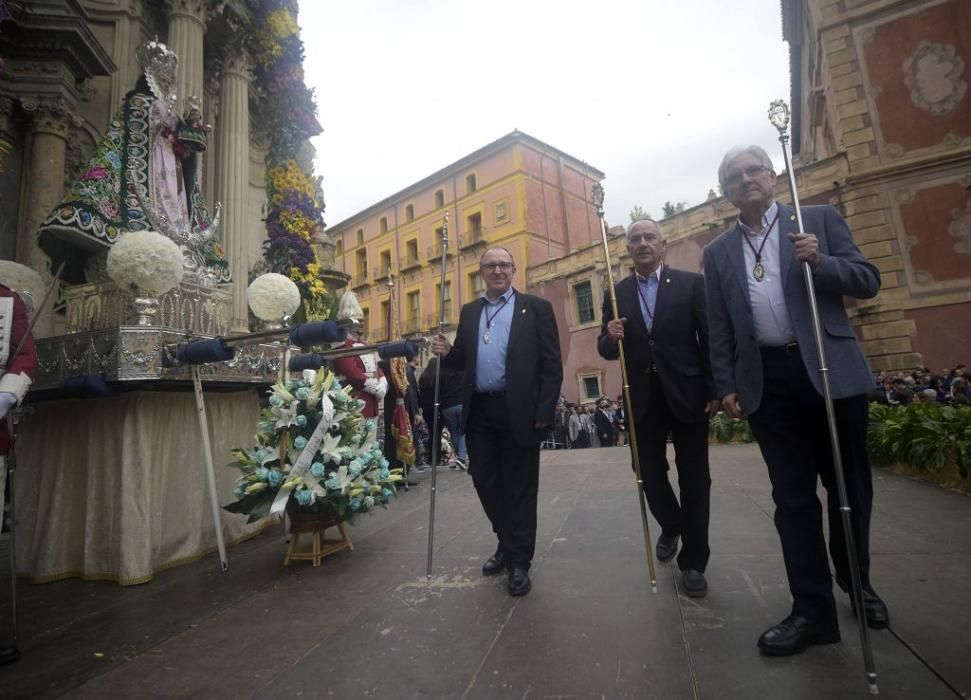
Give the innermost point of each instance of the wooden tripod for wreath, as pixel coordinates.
(314, 524)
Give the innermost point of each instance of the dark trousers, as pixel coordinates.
(506, 477)
(690, 517)
(791, 428)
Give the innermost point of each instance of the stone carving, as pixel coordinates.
(933, 75)
(197, 9)
(960, 228)
(50, 115)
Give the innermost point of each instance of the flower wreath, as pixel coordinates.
(347, 474)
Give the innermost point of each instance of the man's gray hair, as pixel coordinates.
(735, 152)
(497, 247)
(639, 219)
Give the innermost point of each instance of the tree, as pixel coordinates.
(670, 209)
(637, 212)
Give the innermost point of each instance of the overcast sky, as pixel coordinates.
(651, 92)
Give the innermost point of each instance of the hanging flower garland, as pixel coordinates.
(295, 213)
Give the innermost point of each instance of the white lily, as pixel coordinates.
(286, 415)
(271, 454)
(282, 392)
(342, 478)
(330, 448)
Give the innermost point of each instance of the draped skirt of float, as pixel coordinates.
(115, 488)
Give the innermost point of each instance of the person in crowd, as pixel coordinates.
(603, 424)
(662, 323)
(362, 372)
(577, 431)
(409, 400)
(620, 421)
(589, 426)
(960, 395)
(450, 406)
(764, 363)
(561, 426)
(508, 346)
(422, 434)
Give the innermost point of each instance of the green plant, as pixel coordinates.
(925, 436)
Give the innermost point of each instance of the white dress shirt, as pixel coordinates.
(772, 324)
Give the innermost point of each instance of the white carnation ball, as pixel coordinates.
(273, 296)
(21, 278)
(146, 259)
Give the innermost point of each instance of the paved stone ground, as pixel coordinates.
(368, 624)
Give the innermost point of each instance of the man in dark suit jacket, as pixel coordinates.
(662, 323)
(604, 423)
(508, 346)
(763, 358)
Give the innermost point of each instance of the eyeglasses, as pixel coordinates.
(504, 266)
(751, 172)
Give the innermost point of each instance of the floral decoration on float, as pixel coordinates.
(146, 260)
(273, 297)
(313, 443)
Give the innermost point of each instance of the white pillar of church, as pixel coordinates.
(187, 29)
(233, 167)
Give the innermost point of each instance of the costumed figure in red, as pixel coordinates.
(19, 366)
(361, 372)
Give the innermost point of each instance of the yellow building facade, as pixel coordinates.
(516, 192)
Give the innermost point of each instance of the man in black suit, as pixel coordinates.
(604, 423)
(508, 346)
(662, 322)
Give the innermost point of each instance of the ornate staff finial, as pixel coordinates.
(445, 230)
(779, 115)
(598, 198)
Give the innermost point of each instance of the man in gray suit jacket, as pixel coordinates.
(763, 360)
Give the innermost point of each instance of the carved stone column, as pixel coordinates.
(187, 27)
(233, 171)
(50, 122)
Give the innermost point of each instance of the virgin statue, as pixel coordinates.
(142, 176)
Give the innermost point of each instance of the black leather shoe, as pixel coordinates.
(494, 565)
(877, 615)
(666, 548)
(794, 634)
(694, 584)
(8, 655)
(519, 583)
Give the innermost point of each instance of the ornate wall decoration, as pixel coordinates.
(960, 229)
(933, 73)
(914, 66)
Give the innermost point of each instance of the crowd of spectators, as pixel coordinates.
(589, 425)
(921, 385)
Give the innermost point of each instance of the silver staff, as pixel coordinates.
(779, 116)
(598, 200)
(436, 440)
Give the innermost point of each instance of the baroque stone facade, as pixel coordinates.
(67, 67)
